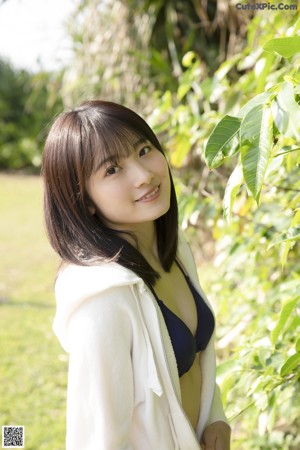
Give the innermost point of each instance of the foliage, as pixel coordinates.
(104, 35)
(244, 124)
(212, 30)
(124, 50)
(26, 107)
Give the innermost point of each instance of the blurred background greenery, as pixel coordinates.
(183, 65)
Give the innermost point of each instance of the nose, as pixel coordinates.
(141, 175)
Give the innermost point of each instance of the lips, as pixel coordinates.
(149, 195)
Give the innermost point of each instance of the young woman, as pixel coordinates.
(130, 311)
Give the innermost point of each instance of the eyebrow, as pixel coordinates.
(140, 141)
(112, 159)
(104, 161)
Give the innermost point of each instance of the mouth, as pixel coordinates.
(150, 195)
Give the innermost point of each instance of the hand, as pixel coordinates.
(216, 437)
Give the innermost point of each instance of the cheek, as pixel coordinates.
(95, 194)
(167, 174)
(162, 165)
(108, 198)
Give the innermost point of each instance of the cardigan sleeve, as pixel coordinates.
(217, 412)
(100, 380)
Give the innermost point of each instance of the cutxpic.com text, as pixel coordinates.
(266, 6)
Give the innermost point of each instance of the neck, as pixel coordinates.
(147, 241)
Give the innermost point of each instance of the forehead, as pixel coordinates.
(114, 145)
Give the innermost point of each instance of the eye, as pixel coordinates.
(112, 170)
(145, 150)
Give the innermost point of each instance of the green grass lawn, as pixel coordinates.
(33, 367)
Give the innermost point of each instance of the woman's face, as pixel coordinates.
(134, 191)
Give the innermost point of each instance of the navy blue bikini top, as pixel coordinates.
(185, 345)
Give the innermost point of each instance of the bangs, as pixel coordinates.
(107, 146)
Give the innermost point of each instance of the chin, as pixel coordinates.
(163, 212)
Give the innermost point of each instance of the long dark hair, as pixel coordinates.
(77, 140)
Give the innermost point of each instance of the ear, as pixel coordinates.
(91, 209)
(90, 206)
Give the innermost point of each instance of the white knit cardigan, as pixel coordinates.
(123, 384)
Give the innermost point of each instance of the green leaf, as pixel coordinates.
(227, 366)
(291, 364)
(286, 47)
(183, 90)
(260, 99)
(285, 313)
(256, 142)
(288, 244)
(287, 248)
(296, 218)
(225, 67)
(292, 234)
(221, 142)
(189, 58)
(232, 188)
(286, 112)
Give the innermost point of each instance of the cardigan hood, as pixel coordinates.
(77, 284)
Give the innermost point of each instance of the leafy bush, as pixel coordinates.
(26, 107)
(243, 123)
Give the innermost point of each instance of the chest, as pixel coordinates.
(175, 293)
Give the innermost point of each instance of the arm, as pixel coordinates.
(216, 435)
(100, 384)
